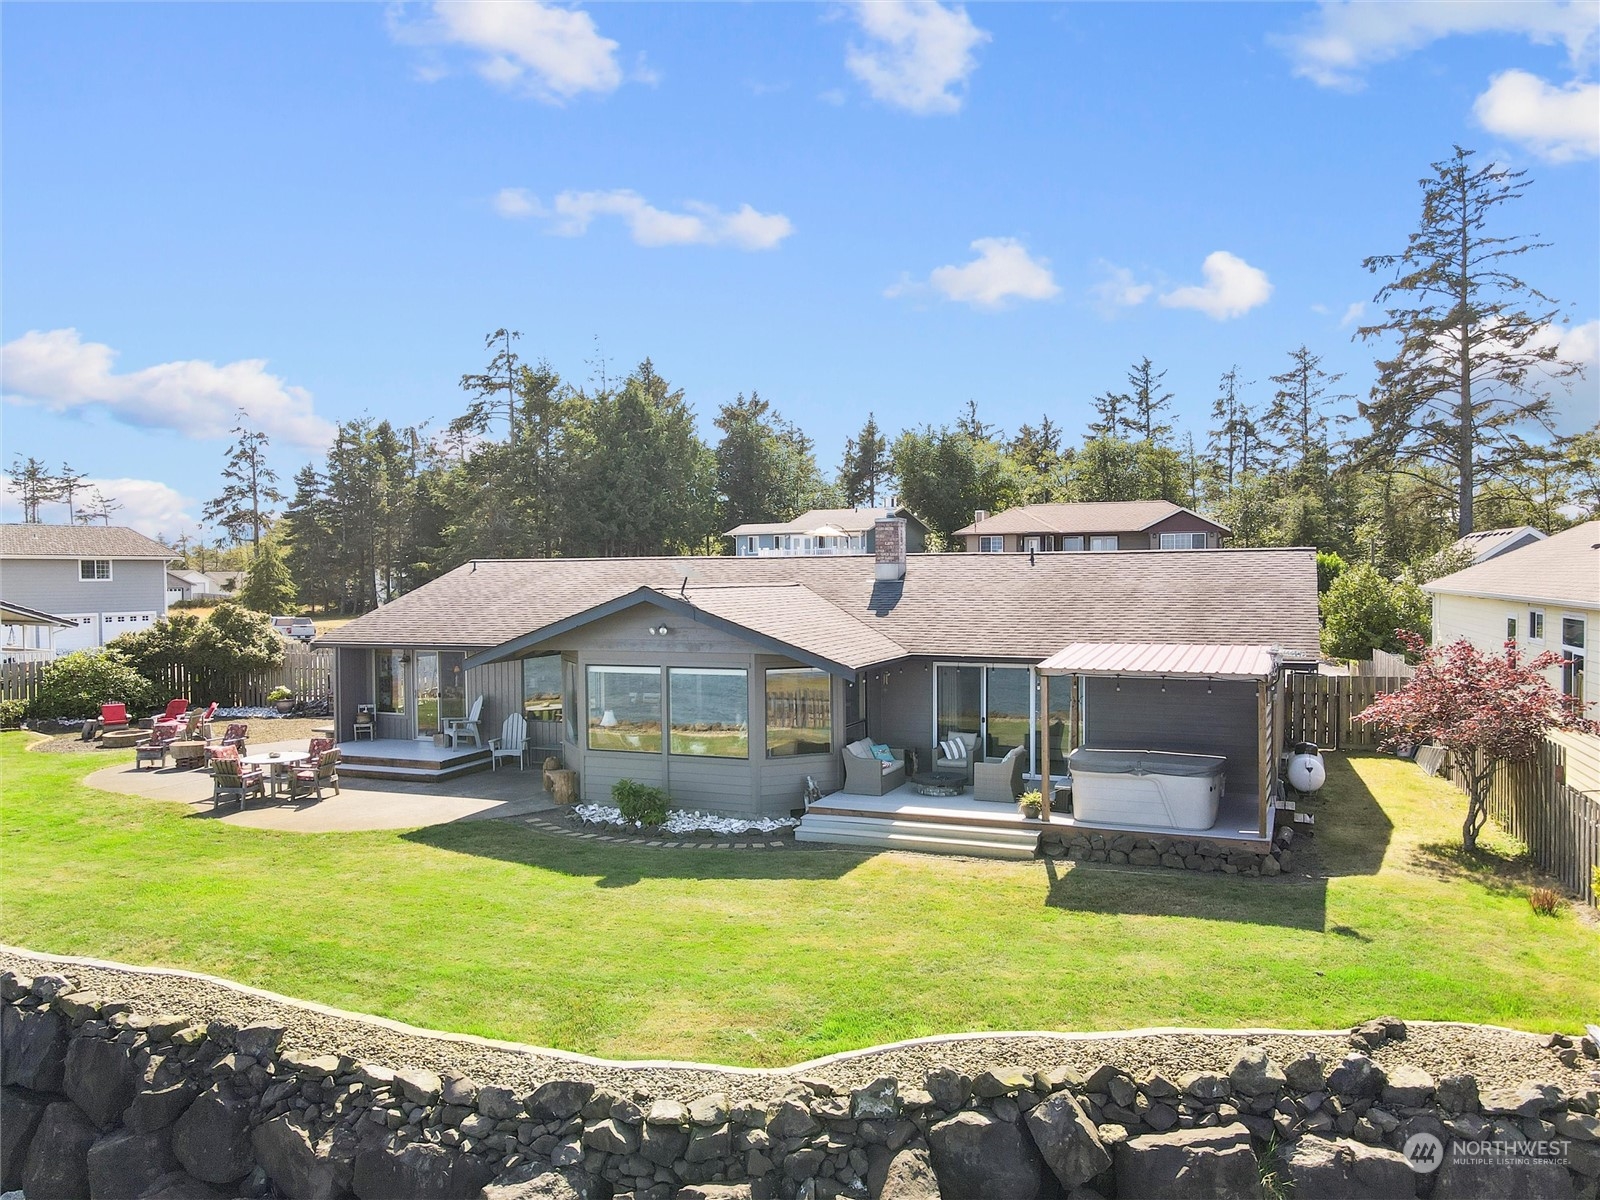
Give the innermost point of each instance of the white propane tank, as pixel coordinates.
(1306, 771)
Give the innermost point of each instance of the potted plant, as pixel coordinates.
(1031, 804)
(281, 698)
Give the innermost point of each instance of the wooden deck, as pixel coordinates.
(405, 758)
(961, 824)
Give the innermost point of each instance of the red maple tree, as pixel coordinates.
(1483, 708)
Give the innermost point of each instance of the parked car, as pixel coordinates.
(301, 629)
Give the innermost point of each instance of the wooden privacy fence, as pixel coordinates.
(306, 672)
(1322, 708)
(1559, 825)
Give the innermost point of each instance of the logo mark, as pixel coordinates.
(1424, 1152)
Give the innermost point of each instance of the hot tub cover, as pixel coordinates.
(1085, 760)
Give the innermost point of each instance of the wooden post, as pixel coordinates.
(1072, 713)
(1044, 746)
(1263, 750)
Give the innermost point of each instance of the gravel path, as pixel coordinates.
(1495, 1056)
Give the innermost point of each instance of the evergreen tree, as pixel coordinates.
(30, 480)
(67, 485)
(1472, 368)
(1233, 429)
(249, 488)
(865, 466)
(1148, 403)
(268, 586)
(311, 552)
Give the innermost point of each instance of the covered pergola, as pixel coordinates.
(1233, 668)
(21, 622)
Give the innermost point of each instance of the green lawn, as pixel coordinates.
(765, 958)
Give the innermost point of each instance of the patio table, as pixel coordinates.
(276, 766)
(187, 754)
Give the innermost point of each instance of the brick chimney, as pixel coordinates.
(889, 542)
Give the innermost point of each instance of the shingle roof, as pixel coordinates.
(21, 614)
(1098, 516)
(1486, 543)
(1563, 568)
(849, 520)
(954, 605)
(1171, 659)
(78, 541)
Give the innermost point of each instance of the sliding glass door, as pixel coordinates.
(993, 703)
(958, 701)
(439, 683)
(1006, 708)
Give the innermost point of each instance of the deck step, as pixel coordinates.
(929, 837)
(383, 770)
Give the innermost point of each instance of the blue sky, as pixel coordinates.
(318, 210)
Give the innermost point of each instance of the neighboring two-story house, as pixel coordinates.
(823, 531)
(106, 580)
(1544, 595)
(1099, 525)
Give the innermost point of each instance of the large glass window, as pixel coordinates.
(541, 688)
(991, 544)
(1183, 541)
(427, 689)
(625, 709)
(799, 711)
(960, 707)
(709, 708)
(1109, 542)
(1572, 649)
(1006, 704)
(391, 681)
(1070, 542)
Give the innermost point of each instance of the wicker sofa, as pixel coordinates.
(865, 775)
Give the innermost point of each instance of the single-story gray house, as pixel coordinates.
(730, 681)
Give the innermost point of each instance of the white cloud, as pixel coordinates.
(1354, 313)
(1118, 289)
(547, 51)
(698, 225)
(919, 53)
(1232, 288)
(60, 371)
(1346, 36)
(517, 202)
(1003, 271)
(1557, 123)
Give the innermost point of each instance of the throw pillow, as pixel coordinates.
(882, 753)
(958, 748)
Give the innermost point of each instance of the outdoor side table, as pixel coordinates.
(188, 754)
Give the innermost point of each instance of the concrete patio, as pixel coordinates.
(360, 804)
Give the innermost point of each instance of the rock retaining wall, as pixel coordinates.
(102, 1101)
(1184, 853)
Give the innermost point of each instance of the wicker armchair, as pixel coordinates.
(999, 781)
(958, 766)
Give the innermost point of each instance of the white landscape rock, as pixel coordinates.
(680, 821)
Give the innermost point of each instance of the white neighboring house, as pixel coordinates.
(1544, 595)
(104, 579)
(28, 634)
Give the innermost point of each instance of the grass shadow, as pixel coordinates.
(1288, 902)
(1353, 832)
(617, 864)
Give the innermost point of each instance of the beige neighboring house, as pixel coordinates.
(1544, 596)
(1093, 525)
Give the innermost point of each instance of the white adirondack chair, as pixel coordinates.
(456, 728)
(512, 742)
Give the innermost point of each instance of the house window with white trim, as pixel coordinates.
(1073, 542)
(94, 570)
(1183, 541)
(1536, 625)
(1511, 628)
(1032, 543)
(1105, 543)
(991, 544)
(1572, 649)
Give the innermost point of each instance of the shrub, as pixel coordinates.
(1544, 901)
(1361, 611)
(76, 685)
(640, 802)
(12, 712)
(279, 693)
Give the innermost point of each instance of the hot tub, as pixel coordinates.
(1146, 788)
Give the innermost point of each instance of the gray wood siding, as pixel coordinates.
(899, 705)
(352, 685)
(598, 770)
(1183, 718)
(52, 585)
(500, 685)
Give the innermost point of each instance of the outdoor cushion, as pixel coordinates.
(954, 748)
(882, 752)
(861, 748)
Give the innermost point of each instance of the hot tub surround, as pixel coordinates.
(1144, 788)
